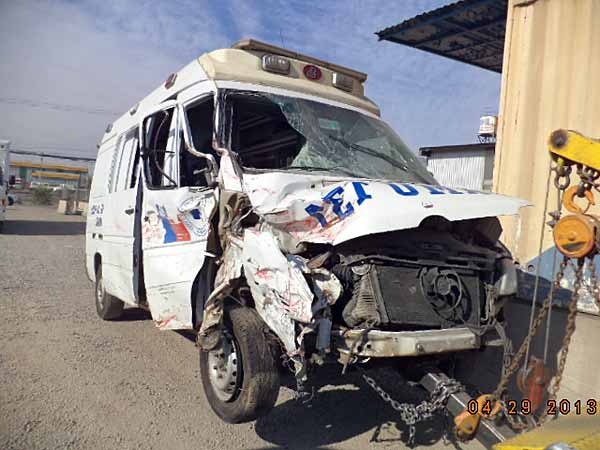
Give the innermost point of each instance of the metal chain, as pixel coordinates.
(561, 182)
(410, 413)
(553, 390)
(514, 365)
(563, 177)
(595, 291)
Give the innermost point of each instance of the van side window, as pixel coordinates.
(113, 165)
(131, 148)
(135, 163)
(158, 158)
(130, 143)
(201, 119)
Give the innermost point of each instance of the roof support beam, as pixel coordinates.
(440, 36)
(385, 33)
(475, 33)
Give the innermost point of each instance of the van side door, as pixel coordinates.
(176, 217)
(119, 265)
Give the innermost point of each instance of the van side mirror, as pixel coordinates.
(211, 171)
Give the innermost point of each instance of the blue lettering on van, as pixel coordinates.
(97, 209)
(404, 189)
(437, 190)
(315, 211)
(360, 191)
(336, 198)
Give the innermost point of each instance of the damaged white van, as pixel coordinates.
(258, 198)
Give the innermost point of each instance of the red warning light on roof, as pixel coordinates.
(171, 80)
(312, 72)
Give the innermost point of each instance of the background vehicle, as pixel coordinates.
(258, 198)
(4, 165)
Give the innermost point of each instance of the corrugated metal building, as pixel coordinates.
(468, 166)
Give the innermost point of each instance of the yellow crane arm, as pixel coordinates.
(568, 147)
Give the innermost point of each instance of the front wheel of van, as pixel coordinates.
(240, 376)
(108, 307)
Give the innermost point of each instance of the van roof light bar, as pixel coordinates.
(258, 46)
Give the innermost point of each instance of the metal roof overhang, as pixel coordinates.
(427, 151)
(470, 31)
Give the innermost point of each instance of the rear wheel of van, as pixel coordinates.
(240, 376)
(107, 306)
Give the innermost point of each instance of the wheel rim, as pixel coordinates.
(100, 293)
(224, 369)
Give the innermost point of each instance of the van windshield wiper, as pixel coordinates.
(319, 169)
(368, 151)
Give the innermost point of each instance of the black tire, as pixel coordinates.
(108, 307)
(257, 383)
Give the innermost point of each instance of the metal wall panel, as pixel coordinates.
(550, 81)
(461, 169)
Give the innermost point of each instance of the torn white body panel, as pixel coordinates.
(228, 177)
(174, 238)
(280, 292)
(327, 288)
(327, 209)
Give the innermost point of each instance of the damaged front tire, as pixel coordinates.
(240, 376)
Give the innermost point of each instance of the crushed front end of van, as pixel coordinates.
(345, 246)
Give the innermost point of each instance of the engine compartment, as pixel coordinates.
(430, 277)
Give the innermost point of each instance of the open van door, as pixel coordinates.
(119, 217)
(176, 214)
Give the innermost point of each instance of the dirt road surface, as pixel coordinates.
(72, 381)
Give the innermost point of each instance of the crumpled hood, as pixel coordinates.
(327, 209)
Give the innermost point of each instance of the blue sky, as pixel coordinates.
(101, 57)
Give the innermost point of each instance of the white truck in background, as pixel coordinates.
(4, 163)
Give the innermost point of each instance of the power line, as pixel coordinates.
(50, 148)
(57, 106)
(51, 155)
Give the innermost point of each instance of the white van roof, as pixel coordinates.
(244, 63)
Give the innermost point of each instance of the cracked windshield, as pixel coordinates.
(280, 132)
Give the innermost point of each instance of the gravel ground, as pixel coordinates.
(72, 381)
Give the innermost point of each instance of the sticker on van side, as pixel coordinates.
(160, 228)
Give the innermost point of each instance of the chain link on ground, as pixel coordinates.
(410, 413)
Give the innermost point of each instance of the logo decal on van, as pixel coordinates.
(159, 228)
(192, 214)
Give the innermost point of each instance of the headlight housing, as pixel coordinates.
(506, 283)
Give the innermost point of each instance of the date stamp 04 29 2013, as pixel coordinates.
(553, 407)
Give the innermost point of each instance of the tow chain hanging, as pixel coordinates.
(577, 237)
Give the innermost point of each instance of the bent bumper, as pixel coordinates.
(382, 344)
